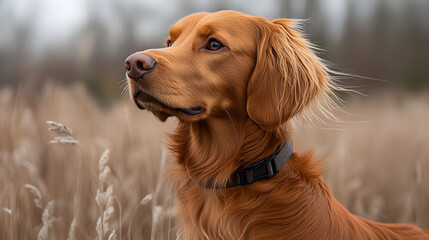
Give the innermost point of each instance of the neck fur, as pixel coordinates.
(213, 150)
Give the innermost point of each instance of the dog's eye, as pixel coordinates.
(214, 45)
(169, 43)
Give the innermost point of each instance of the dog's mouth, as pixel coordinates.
(143, 100)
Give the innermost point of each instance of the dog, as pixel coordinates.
(234, 82)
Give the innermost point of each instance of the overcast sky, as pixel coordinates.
(57, 20)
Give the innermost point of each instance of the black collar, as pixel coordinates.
(266, 168)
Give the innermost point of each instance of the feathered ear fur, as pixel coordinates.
(287, 78)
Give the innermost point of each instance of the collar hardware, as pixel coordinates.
(263, 169)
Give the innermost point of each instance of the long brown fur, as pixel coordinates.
(265, 75)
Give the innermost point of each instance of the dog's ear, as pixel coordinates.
(288, 76)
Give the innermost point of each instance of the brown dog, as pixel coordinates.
(234, 81)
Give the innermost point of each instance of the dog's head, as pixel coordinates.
(227, 63)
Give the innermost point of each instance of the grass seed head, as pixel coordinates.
(67, 140)
(7, 210)
(59, 128)
(146, 199)
(47, 219)
(38, 199)
(72, 231)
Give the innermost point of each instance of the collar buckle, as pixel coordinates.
(270, 170)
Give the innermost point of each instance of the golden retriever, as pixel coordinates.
(234, 81)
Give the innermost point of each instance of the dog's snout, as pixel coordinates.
(138, 64)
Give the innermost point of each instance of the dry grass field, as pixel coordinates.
(60, 186)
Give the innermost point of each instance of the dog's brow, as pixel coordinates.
(175, 32)
(206, 30)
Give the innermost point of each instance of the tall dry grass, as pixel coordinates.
(62, 184)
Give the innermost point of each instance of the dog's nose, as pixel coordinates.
(138, 64)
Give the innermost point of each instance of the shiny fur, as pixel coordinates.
(266, 74)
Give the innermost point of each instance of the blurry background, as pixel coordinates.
(63, 60)
(77, 40)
